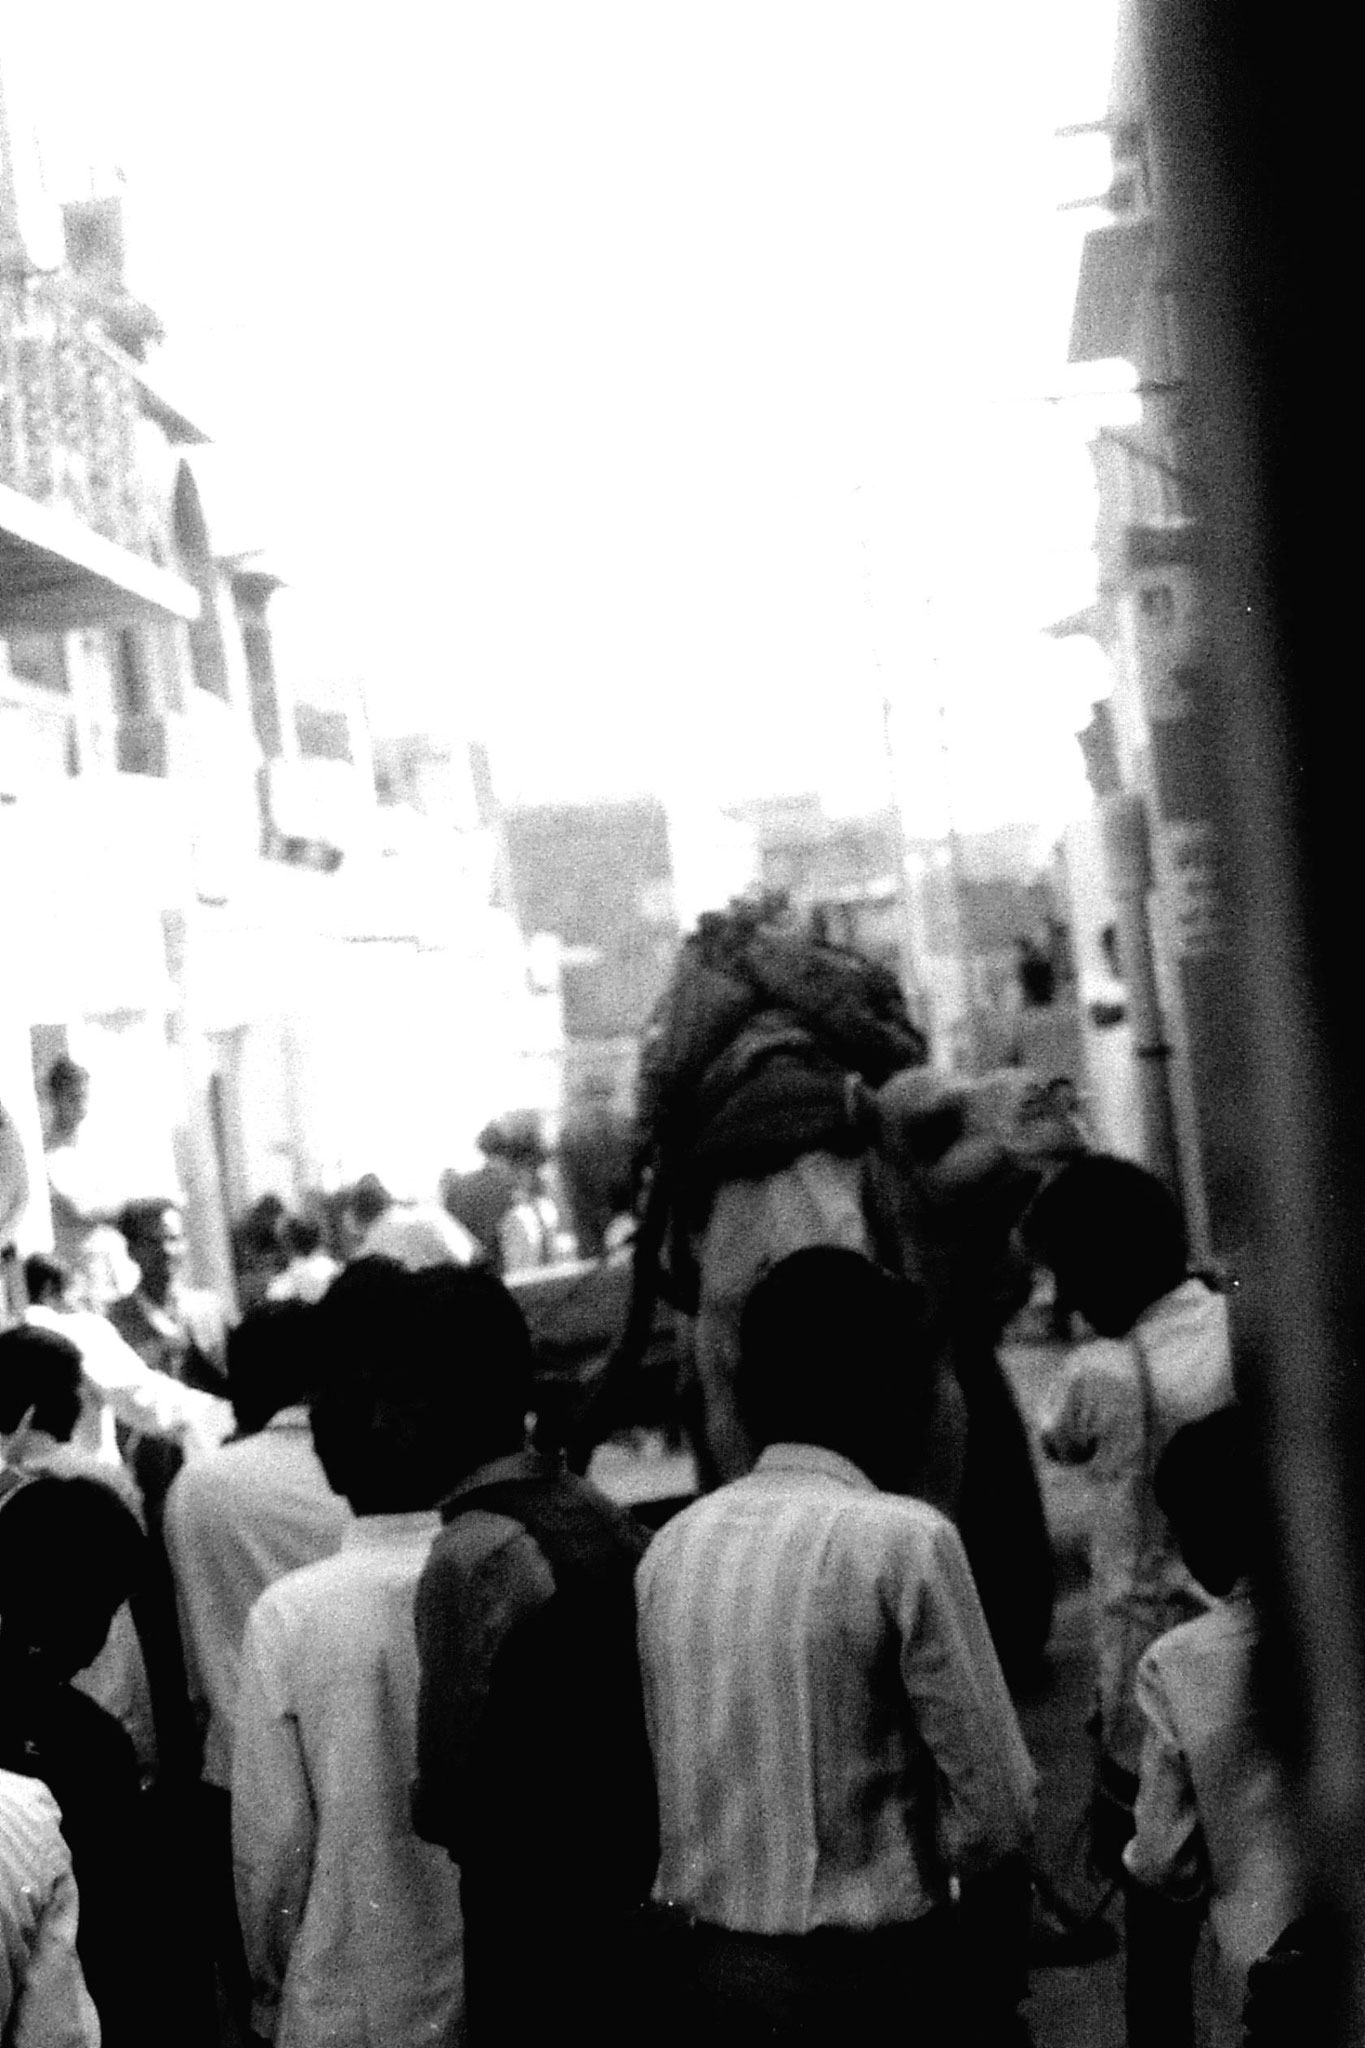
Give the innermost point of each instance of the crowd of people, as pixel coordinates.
(404, 1733)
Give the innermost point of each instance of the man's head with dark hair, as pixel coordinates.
(45, 1281)
(1113, 1236)
(273, 1361)
(40, 1377)
(1205, 1485)
(834, 1351)
(70, 1554)
(68, 1093)
(428, 1375)
(368, 1200)
(302, 1236)
(154, 1232)
(68, 1084)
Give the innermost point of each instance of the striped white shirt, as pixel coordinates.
(43, 1999)
(832, 1736)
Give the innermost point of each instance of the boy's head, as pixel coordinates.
(40, 1382)
(1112, 1235)
(70, 1554)
(834, 1351)
(1205, 1485)
(427, 1375)
(273, 1361)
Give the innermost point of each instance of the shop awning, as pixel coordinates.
(57, 574)
(1114, 262)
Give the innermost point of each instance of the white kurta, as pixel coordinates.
(351, 1924)
(235, 1522)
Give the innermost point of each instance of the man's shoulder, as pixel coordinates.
(1224, 1635)
(273, 1467)
(27, 1805)
(765, 1503)
(322, 1588)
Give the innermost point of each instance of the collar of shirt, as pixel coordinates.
(816, 1462)
(383, 1532)
(516, 1465)
(289, 1418)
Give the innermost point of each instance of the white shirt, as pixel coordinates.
(1213, 1809)
(43, 1999)
(118, 1386)
(235, 1522)
(351, 1924)
(304, 1279)
(831, 1733)
(418, 1235)
(1108, 1424)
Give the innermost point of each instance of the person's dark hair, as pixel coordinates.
(136, 1220)
(66, 1077)
(427, 1376)
(273, 1361)
(368, 1200)
(1205, 1484)
(1112, 1234)
(41, 1370)
(45, 1280)
(70, 1554)
(302, 1236)
(835, 1351)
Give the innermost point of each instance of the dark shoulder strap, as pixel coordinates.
(12, 1482)
(574, 1527)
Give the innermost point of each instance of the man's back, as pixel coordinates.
(350, 1921)
(533, 1763)
(830, 1729)
(530, 1687)
(235, 1522)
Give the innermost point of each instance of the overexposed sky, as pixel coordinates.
(647, 387)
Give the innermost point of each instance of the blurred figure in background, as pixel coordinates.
(528, 1229)
(259, 1251)
(479, 1201)
(362, 1207)
(596, 1159)
(311, 1268)
(1113, 1237)
(413, 1234)
(118, 1389)
(177, 1330)
(82, 1195)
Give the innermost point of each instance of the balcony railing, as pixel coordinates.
(68, 414)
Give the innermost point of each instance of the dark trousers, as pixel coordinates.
(537, 1971)
(730, 1990)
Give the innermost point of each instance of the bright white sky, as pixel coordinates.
(637, 383)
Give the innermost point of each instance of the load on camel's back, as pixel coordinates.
(750, 1133)
(785, 1102)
